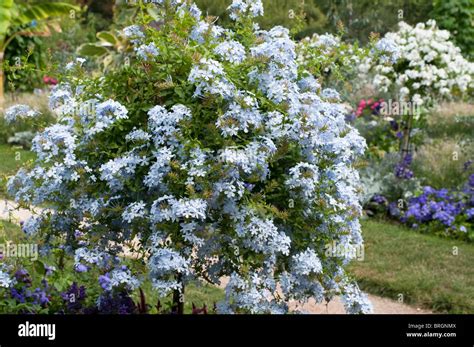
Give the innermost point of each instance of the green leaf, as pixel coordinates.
(39, 267)
(58, 286)
(91, 50)
(5, 17)
(44, 11)
(107, 36)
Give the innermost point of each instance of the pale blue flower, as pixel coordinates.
(244, 8)
(136, 210)
(146, 52)
(5, 280)
(231, 51)
(355, 301)
(18, 112)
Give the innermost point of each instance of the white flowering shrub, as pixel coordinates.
(428, 67)
(213, 156)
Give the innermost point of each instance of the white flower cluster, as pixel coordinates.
(429, 65)
(79, 62)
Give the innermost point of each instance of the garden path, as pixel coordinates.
(10, 211)
(380, 305)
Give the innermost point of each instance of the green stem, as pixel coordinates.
(406, 136)
(178, 296)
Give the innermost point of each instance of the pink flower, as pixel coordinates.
(50, 80)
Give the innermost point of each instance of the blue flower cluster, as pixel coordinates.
(5, 280)
(74, 298)
(119, 278)
(20, 289)
(446, 212)
(231, 51)
(388, 49)
(402, 169)
(453, 212)
(243, 8)
(147, 52)
(17, 112)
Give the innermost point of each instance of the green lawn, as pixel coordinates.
(10, 232)
(199, 294)
(11, 159)
(421, 267)
(451, 120)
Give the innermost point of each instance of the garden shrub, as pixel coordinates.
(381, 132)
(457, 17)
(444, 163)
(426, 68)
(35, 287)
(303, 18)
(344, 66)
(400, 195)
(390, 180)
(430, 67)
(330, 59)
(210, 153)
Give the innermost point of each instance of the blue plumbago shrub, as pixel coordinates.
(209, 155)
